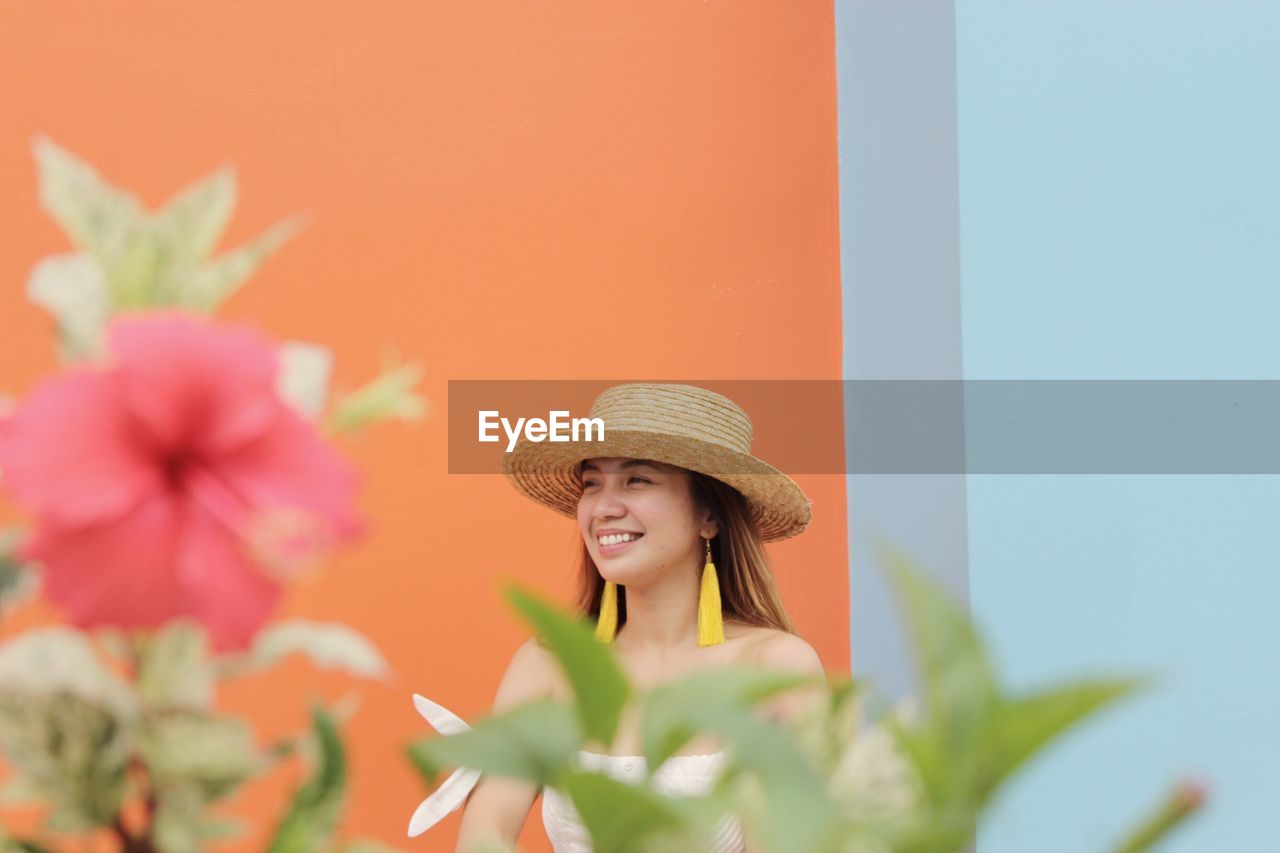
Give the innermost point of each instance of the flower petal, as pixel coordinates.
(225, 591)
(117, 573)
(191, 383)
(291, 467)
(68, 453)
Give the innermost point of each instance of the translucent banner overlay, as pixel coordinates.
(927, 426)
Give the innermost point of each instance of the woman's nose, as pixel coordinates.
(608, 503)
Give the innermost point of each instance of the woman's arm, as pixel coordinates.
(498, 807)
(789, 653)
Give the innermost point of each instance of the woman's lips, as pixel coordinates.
(610, 550)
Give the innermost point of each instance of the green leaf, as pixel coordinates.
(19, 792)
(143, 260)
(19, 845)
(620, 817)
(181, 824)
(950, 832)
(174, 668)
(206, 287)
(317, 806)
(960, 691)
(801, 819)
(532, 742)
(137, 273)
(800, 814)
(388, 396)
(68, 751)
(97, 216)
(600, 689)
(175, 826)
(195, 218)
(58, 659)
(222, 827)
(1026, 724)
(18, 581)
(927, 758)
(721, 701)
(209, 755)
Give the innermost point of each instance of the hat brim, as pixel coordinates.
(547, 473)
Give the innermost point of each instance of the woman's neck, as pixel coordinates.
(662, 616)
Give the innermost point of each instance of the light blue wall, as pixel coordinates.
(1118, 218)
(900, 269)
(1119, 208)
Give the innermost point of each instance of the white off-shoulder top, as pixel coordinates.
(678, 776)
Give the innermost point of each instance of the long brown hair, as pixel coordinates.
(747, 590)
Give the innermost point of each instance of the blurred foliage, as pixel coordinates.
(914, 781)
(388, 396)
(90, 722)
(130, 259)
(313, 816)
(18, 581)
(83, 740)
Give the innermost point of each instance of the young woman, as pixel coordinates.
(673, 511)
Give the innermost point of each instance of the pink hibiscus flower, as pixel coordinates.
(173, 481)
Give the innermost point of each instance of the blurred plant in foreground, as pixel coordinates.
(914, 781)
(179, 473)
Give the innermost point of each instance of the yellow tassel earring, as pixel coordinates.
(710, 621)
(607, 621)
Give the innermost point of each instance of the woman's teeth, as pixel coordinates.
(616, 538)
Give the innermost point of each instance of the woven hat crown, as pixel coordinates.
(675, 410)
(682, 425)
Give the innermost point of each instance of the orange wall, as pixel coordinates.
(501, 190)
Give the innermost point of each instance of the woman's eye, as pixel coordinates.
(589, 483)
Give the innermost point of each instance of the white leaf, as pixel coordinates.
(446, 799)
(198, 214)
(174, 668)
(441, 718)
(453, 793)
(73, 289)
(329, 645)
(303, 377)
(96, 216)
(56, 659)
(206, 287)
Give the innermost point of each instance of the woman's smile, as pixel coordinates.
(616, 544)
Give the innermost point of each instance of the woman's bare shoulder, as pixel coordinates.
(531, 674)
(780, 649)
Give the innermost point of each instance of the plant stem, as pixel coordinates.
(130, 843)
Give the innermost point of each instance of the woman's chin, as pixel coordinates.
(622, 575)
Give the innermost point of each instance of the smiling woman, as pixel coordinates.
(689, 515)
(673, 512)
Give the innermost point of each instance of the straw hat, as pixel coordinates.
(681, 425)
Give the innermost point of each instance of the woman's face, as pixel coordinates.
(652, 501)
